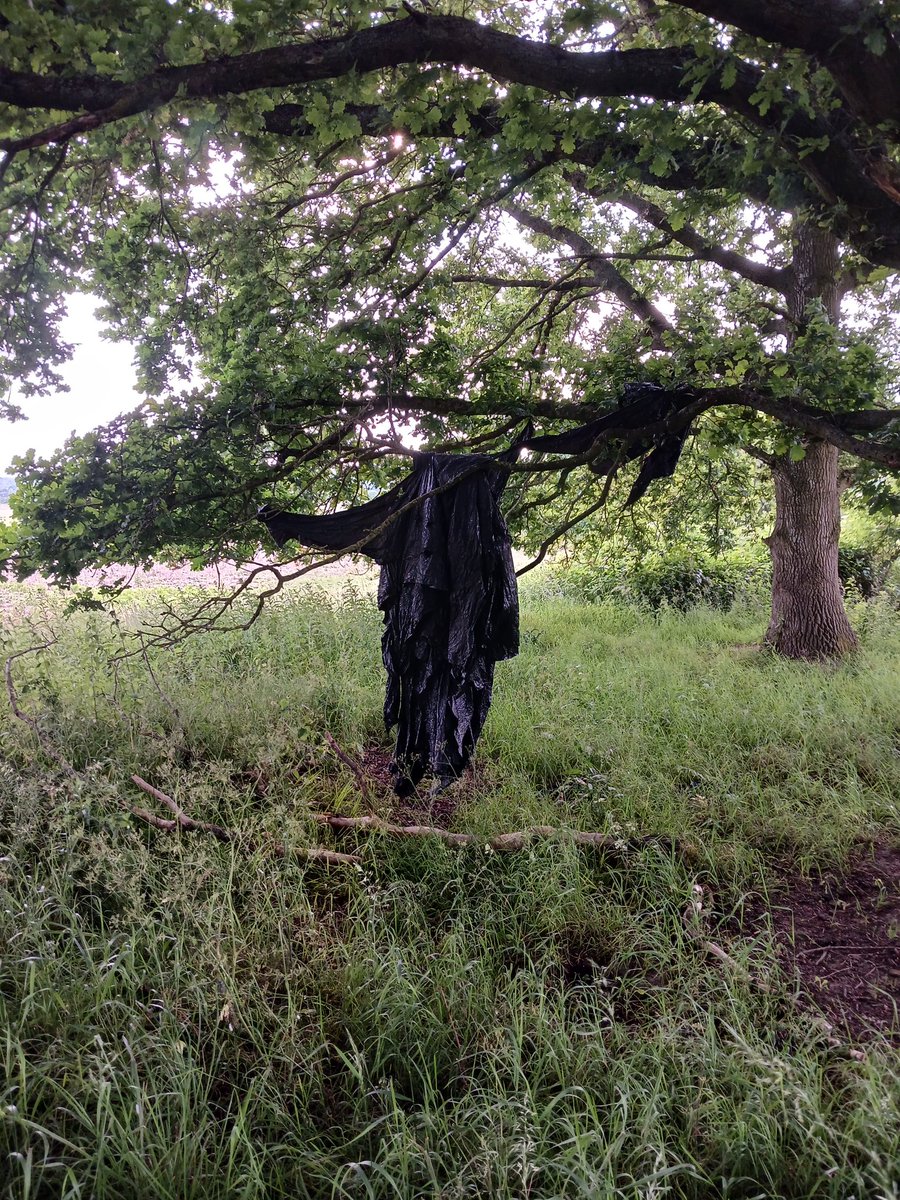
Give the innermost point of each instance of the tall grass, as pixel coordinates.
(184, 1018)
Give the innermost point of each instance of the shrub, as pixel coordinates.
(682, 579)
(858, 570)
(679, 580)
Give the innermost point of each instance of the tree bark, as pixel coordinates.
(808, 618)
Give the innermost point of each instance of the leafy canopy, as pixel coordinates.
(329, 227)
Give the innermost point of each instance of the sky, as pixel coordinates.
(101, 379)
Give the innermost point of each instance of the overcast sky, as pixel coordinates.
(101, 381)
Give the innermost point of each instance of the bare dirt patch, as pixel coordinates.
(424, 806)
(839, 933)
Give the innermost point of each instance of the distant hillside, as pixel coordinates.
(7, 487)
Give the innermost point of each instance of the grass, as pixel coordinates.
(189, 1019)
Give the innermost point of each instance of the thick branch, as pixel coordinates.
(662, 75)
(836, 428)
(605, 274)
(426, 38)
(836, 34)
(730, 260)
(290, 120)
(693, 169)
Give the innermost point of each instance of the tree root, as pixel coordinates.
(181, 821)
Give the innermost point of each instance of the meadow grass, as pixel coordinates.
(184, 1018)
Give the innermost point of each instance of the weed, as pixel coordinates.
(184, 1018)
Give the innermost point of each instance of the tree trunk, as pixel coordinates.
(808, 617)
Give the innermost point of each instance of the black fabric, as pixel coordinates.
(449, 598)
(640, 404)
(448, 588)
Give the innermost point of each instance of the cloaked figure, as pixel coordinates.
(449, 598)
(448, 587)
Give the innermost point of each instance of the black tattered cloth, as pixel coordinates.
(448, 594)
(448, 587)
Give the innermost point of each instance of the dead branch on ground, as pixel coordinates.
(354, 766)
(181, 821)
(515, 840)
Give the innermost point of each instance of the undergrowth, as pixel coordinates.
(184, 1018)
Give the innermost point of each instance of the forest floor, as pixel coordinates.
(702, 1003)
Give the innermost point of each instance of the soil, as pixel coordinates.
(839, 935)
(424, 807)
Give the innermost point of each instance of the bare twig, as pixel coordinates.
(823, 948)
(350, 762)
(561, 530)
(694, 923)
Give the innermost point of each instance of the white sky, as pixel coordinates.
(101, 378)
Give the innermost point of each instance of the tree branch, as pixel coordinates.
(760, 273)
(181, 821)
(663, 75)
(544, 285)
(605, 274)
(868, 79)
(516, 840)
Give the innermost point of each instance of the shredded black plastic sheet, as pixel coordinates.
(640, 405)
(449, 598)
(448, 588)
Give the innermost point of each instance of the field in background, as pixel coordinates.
(189, 1018)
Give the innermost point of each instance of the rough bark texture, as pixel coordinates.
(808, 617)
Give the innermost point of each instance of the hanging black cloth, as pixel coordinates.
(449, 598)
(640, 404)
(448, 588)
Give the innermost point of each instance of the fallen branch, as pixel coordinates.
(694, 918)
(181, 821)
(516, 840)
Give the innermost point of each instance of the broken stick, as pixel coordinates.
(515, 840)
(182, 821)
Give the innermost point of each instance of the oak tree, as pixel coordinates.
(326, 226)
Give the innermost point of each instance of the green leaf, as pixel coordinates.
(876, 41)
(461, 122)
